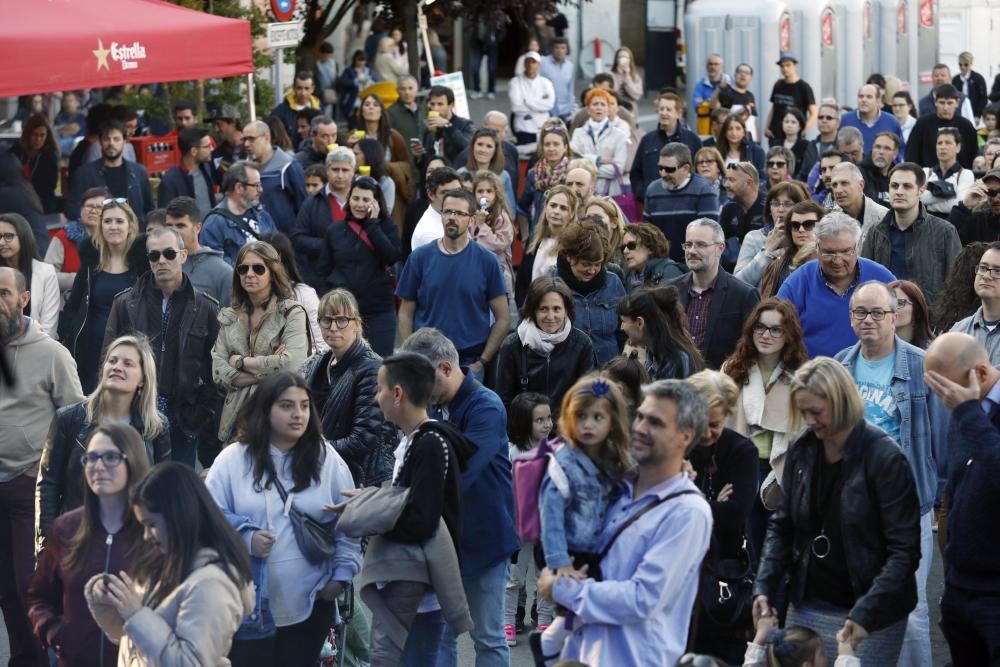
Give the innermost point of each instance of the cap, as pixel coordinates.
(225, 112)
(787, 55)
(992, 173)
(533, 55)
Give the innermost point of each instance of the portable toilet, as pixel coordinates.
(925, 17)
(894, 32)
(859, 47)
(818, 39)
(740, 32)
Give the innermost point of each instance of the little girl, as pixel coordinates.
(594, 424)
(792, 647)
(492, 225)
(529, 421)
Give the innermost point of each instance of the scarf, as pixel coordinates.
(540, 341)
(75, 231)
(547, 175)
(579, 286)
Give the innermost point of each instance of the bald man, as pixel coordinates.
(281, 175)
(958, 370)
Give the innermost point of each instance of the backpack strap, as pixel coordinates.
(558, 476)
(635, 517)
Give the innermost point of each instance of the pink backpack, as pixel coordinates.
(529, 471)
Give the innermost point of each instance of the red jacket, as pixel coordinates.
(56, 606)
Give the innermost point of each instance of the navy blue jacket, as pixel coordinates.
(284, 183)
(91, 175)
(177, 182)
(487, 487)
(645, 167)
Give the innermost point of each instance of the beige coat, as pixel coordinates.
(759, 410)
(192, 627)
(285, 324)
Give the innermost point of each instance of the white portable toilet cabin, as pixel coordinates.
(924, 50)
(895, 30)
(740, 32)
(860, 56)
(970, 25)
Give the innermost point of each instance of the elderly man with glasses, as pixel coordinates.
(821, 288)
(982, 324)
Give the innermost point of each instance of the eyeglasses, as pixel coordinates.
(704, 161)
(807, 225)
(776, 164)
(827, 117)
(842, 254)
(697, 245)
(782, 204)
(259, 269)
(992, 193)
(986, 269)
(743, 71)
(114, 200)
(630, 245)
(8, 237)
(93, 208)
(454, 214)
(340, 321)
(760, 329)
(877, 314)
(903, 303)
(258, 185)
(170, 254)
(250, 137)
(109, 459)
(668, 170)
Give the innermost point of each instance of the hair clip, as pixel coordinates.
(600, 387)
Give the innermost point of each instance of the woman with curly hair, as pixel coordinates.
(646, 253)
(958, 299)
(769, 351)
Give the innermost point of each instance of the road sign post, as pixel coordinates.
(279, 37)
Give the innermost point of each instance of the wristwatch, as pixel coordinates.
(483, 362)
(239, 363)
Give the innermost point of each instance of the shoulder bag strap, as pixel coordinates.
(523, 366)
(635, 517)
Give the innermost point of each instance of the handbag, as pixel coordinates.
(315, 538)
(725, 591)
(626, 200)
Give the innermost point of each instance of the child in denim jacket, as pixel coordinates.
(594, 424)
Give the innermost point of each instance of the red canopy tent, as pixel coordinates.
(50, 45)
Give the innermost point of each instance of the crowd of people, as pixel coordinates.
(661, 396)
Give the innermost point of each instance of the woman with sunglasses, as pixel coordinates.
(357, 255)
(97, 538)
(646, 252)
(550, 169)
(110, 261)
(263, 332)
(912, 314)
(18, 251)
(798, 245)
(125, 394)
(709, 165)
(761, 246)
(735, 145)
(769, 351)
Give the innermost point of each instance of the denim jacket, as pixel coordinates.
(596, 312)
(574, 523)
(923, 427)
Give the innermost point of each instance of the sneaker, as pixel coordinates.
(475, 95)
(543, 627)
(511, 635)
(491, 96)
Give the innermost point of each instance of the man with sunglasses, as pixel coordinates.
(909, 241)
(744, 211)
(181, 324)
(678, 197)
(977, 216)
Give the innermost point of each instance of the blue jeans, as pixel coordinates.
(424, 640)
(183, 447)
(476, 56)
(485, 593)
(917, 640)
(380, 330)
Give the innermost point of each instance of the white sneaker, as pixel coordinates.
(475, 95)
(491, 96)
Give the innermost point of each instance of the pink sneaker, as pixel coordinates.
(543, 627)
(511, 634)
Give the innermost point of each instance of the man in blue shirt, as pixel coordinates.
(869, 117)
(707, 84)
(821, 289)
(455, 285)
(558, 69)
(486, 485)
(653, 544)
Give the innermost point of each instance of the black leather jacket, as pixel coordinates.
(350, 416)
(60, 473)
(880, 522)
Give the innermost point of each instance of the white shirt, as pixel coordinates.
(531, 101)
(429, 229)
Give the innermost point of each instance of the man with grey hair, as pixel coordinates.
(487, 535)
(326, 206)
(847, 185)
(678, 197)
(851, 143)
(44, 379)
(281, 175)
(322, 135)
(889, 373)
(237, 219)
(655, 536)
(716, 303)
(821, 288)
(180, 322)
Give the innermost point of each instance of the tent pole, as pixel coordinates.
(250, 90)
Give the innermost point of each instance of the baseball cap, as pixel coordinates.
(533, 55)
(225, 112)
(787, 55)
(992, 173)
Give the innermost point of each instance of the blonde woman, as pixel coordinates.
(610, 215)
(110, 261)
(558, 214)
(628, 83)
(550, 169)
(263, 332)
(127, 394)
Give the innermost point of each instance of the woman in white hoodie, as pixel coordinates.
(604, 143)
(186, 594)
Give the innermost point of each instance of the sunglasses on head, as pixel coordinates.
(114, 200)
(259, 269)
(807, 225)
(170, 254)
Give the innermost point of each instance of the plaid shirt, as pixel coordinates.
(698, 305)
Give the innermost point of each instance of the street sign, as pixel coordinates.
(283, 9)
(281, 35)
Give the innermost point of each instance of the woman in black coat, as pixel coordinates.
(546, 354)
(39, 156)
(358, 255)
(344, 382)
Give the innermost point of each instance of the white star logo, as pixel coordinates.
(102, 56)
